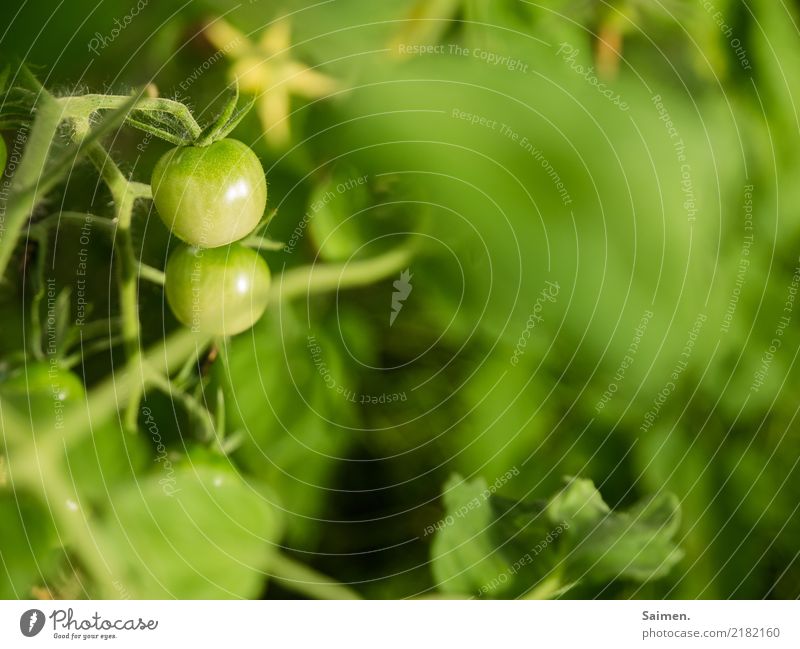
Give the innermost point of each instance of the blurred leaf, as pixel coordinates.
(579, 505)
(464, 556)
(606, 545)
(476, 551)
(27, 545)
(288, 416)
(213, 538)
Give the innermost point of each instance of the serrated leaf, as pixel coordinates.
(636, 544)
(493, 546)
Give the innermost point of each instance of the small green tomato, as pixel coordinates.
(41, 389)
(219, 291)
(210, 196)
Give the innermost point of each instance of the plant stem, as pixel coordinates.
(24, 193)
(107, 398)
(85, 105)
(192, 406)
(124, 194)
(34, 177)
(308, 280)
(75, 218)
(302, 579)
(61, 496)
(151, 274)
(39, 470)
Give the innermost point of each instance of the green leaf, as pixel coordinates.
(208, 134)
(108, 457)
(163, 127)
(579, 504)
(26, 545)
(289, 417)
(465, 556)
(494, 546)
(195, 531)
(636, 544)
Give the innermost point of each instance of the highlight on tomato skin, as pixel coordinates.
(218, 291)
(210, 196)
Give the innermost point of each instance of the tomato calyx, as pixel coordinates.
(226, 121)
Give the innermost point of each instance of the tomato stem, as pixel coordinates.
(86, 105)
(319, 278)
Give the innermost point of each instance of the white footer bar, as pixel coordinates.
(389, 624)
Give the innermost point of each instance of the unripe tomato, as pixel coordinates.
(210, 196)
(46, 394)
(220, 291)
(42, 393)
(41, 389)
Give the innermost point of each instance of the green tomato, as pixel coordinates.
(210, 196)
(41, 389)
(220, 291)
(46, 395)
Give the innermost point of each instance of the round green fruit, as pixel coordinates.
(219, 291)
(210, 196)
(42, 393)
(41, 388)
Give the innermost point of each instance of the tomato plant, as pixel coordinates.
(330, 301)
(92, 445)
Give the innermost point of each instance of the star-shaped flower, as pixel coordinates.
(267, 70)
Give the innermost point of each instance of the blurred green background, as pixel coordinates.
(502, 154)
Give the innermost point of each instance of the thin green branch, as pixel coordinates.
(151, 274)
(88, 104)
(31, 182)
(42, 473)
(78, 219)
(25, 192)
(193, 407)
(258, 242)
(320, 278)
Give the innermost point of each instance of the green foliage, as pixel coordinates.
(465, 557)
(27, 545)
(211, 535)
(636, 544)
